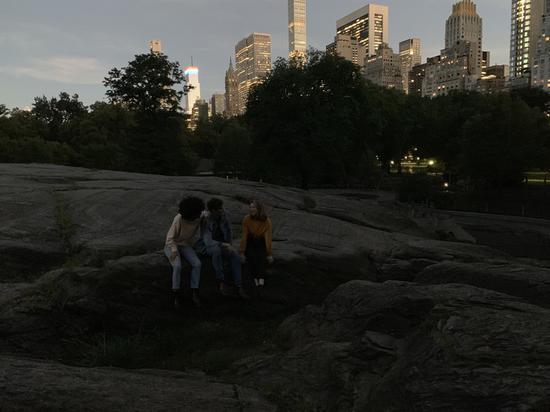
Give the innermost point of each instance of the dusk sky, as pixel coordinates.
(69, 45)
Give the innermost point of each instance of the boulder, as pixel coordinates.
(398, 346)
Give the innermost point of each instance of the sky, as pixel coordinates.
(47, 47)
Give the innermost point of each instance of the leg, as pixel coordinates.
(236, 267)
(217, 261)
(191, 256)
(176, 268)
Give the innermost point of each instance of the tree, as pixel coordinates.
(232, 151)
(305, 120)
(56, 115)
(146, 84)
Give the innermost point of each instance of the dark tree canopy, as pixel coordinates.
(147, 84)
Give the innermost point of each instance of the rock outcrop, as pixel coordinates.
(398, 346)
(437, 314)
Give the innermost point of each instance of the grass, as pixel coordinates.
(210, 345)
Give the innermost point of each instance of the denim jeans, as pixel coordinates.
(191, 257)
(218, 253)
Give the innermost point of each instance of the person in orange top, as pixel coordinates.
(256, 243)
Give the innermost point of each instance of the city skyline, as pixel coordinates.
(45, 54)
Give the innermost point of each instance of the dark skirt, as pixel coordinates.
(256, 256)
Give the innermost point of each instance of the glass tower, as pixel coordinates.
(526, 28)
(297, 27)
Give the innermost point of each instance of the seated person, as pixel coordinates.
(215, 240)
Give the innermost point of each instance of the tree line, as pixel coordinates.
(317, 122)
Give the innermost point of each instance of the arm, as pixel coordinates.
(172, 233)
(206, 235)
(244, 236)
(269, 238)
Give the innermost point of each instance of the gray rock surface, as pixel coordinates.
(399, 346)
(81, 248)
(44, 386)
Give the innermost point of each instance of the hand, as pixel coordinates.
(243, 258)
(270, 260)
(174, 256)
(228, 247)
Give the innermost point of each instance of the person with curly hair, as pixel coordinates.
(179, 243)
(255, 248)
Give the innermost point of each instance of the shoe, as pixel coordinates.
(242, 293)
(195, 298)
(224, 291)
(177, 300)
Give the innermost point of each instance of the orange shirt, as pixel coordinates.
(257, 228)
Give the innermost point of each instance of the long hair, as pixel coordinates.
(261, 213)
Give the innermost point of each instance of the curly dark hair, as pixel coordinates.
(214, 204)
(191, 207)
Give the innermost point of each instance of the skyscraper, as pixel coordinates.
(464, 24)
(297, 28)
(384, 68)
(253, 62)
(410, 56)
(369, 25)
(217, 103)
(192, 77)
(155, 46)
(541, 63)
(526, 28)
(349, 48)
(231, 92)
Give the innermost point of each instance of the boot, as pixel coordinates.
(195, 298)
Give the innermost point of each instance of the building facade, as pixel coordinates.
(369, 25)
(217, 104)
(384, 69)
(297, 28)
(416, 79)
(465, 24)
(231, 91)
(541, 63)
(409, 56)
(349, 48)
(253, 63)
(527, 16)
(155, 46)
(191, 74)
(450, 71)
(495, 79)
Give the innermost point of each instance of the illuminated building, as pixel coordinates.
(369, 25)
(464, 24)
(541, 63)
(192, 77)
(253, 63)
(526, 28)
(297, 28)
(409, 56)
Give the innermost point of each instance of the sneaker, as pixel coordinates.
(243, 294)
(196, 299)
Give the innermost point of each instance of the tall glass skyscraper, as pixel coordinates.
(369, 25)
(410, 56)
(297, 28)
(526, 29)
(253, 62)
(541, 64)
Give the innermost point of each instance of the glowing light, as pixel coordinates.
(191, 70)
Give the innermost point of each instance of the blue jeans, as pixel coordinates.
(218, 253)
(191, 257)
